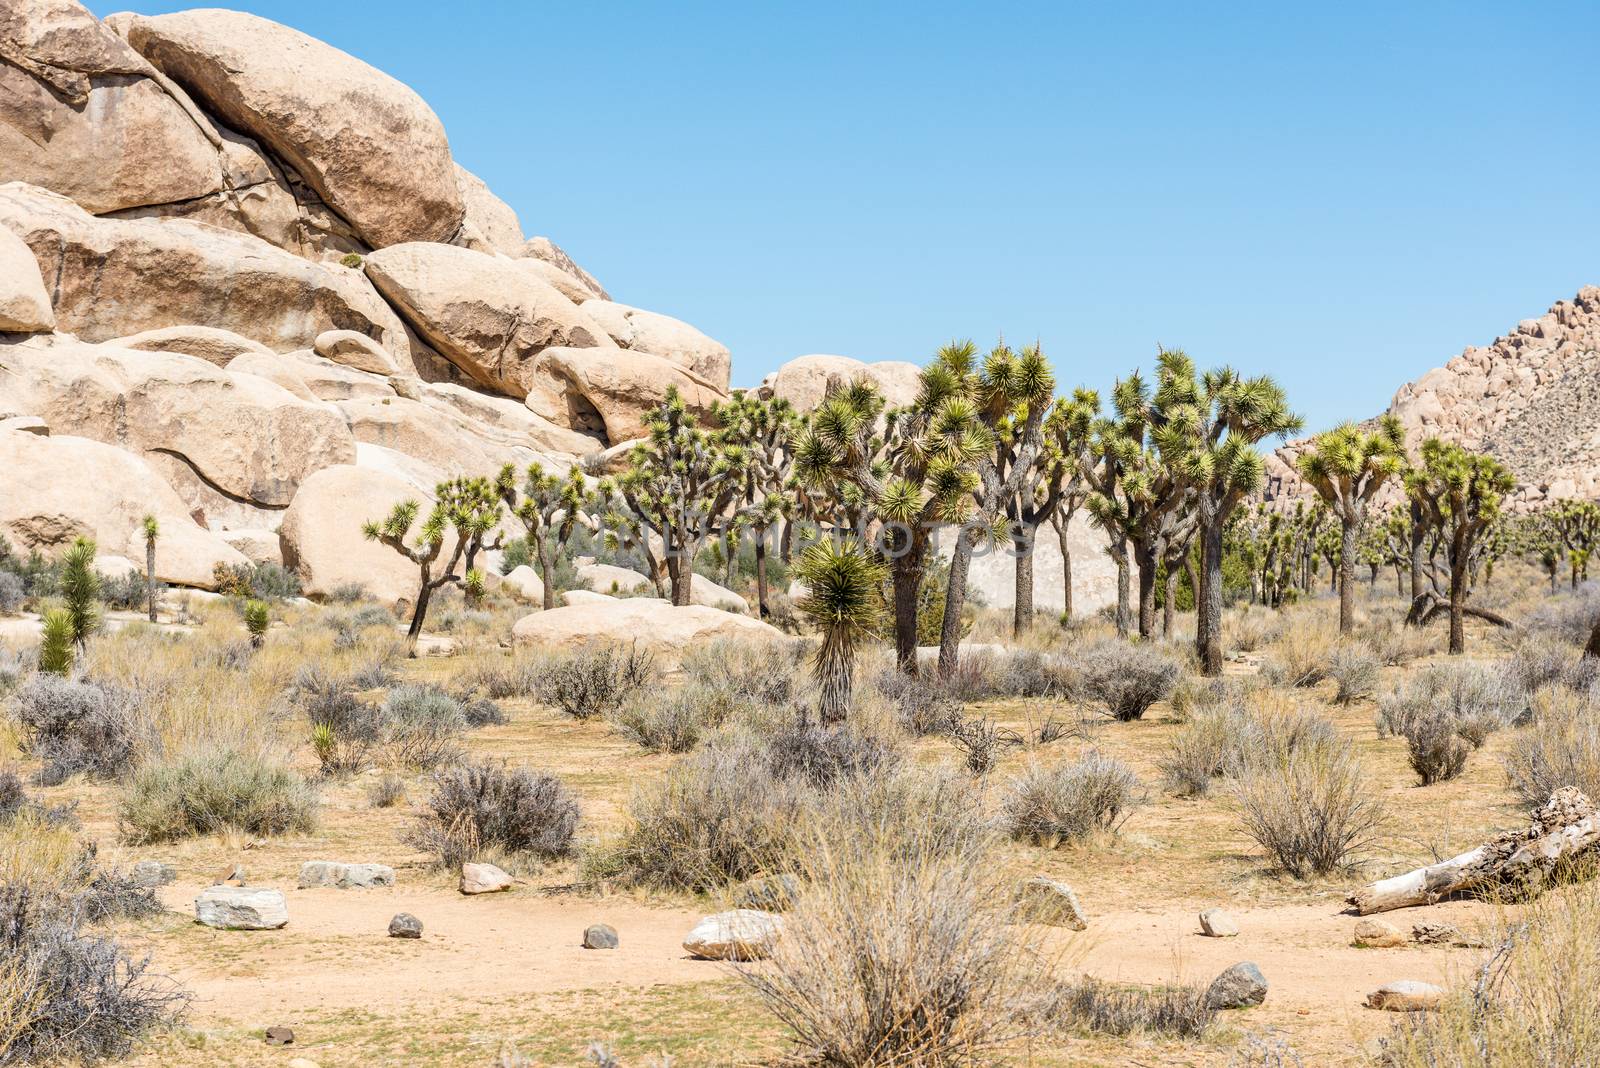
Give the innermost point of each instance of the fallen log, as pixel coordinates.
(1563, 829)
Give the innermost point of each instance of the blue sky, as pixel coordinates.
(1343, 195)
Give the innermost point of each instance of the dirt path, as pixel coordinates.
(336, 955)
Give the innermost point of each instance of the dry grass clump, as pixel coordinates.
(75, 726)
(422, 726)
(674, 721)
(1531, 1001)
(1236, 728)
(1568, 617)
(498, 676)
(594, 681)
(1302, 649)
(900, 949)
(921, 705)
(1250, 628)
(478, 810)
(1538, 661)
(1394, 643)
(1560, 748)
(1104, 1008)
(1127, 678)
(1354, 666)
(211, 789)
(1446, 712)
(1069, 802)
(386, 791)
(747, 671)
(1311, 810)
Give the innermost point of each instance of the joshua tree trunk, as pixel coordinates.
(1022, 611)
(1372, 579)
(955, 598)
(761, 576)
(836, 667)
(1347, 575)
(681, 573)
(421, 610)
(905, 573)
(1209, 607)
(1146, 559)
(1419, 535)
(150, 577)
(1169, 605)
(1593, 648)
(1119, 553)
(546, 568)
(1066, 570)
(1458, 602)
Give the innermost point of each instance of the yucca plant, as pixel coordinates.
(151, 530)
(1347, 467)
(257, 618)
(843, 598)
(55, 645)
(80, 589)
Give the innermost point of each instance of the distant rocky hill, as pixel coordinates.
(1530, 398)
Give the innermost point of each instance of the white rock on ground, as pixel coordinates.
(1215, 923)
(1053, 903)
(344, 876)
(1406, 995)
(483, 879)
(656, 625)
(241, 908)
(740, 934)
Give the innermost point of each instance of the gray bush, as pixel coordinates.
(1569, 617)
(77, 726)
(1312, 811)
(1560, 748)
(1070, 801)
(674, 721)
(592, 682)
(1355, 668)
(1127, 678)
(1479, 699)
(209, 789)
(422, 726)
(476, 808)
(12, 593)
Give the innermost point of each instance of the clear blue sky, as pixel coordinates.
(1344, 195)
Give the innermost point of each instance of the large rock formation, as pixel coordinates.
(24, 305)
(1530, 398)
(661, 335)
(803, 381)
(367, 144)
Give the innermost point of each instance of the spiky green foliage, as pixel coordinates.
(1347, 466)
(1208, 430)
(1576, 526)
(257, 618)
(55, 643)
(550, 507)
(468, 508)
(80, 589)
(768, 493)
(1459, 494)
(843, 599)
(678, 486)
(1068, 435)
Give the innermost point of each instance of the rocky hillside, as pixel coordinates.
(1530, 398)
(245, 286)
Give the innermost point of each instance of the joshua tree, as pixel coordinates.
(1209, 429)
(468, 508)
(55, 644)
(257, 618)
(765, 429)
(843, 596)
(1013, 392)
(1576, 524)
(152, 530)
(1053, 497)
(80, 589)
(679, 483)
(549, 510)
(1347, 467)
(1459, 493)
(919, 473)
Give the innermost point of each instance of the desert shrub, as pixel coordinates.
(344, 728)
(674, 721)
(476, 808)
(57, 651)
(12, 593)
(1237, 729)
(1310, 811)
(1538, 661)
(210, 789)
(421, 726)
(1068, 802)
(1111, 1009)
(386, 791)
(921, 705)
(69, 995)
(591, 682)
(900, 949)
(481, 712)
(1434, 747)
(1569, 617)
(718, 816)
(1531, 1003)
(1031, 673)
(1252, 628)
(1560, 748)
(79, 726)
(1127, 678)
(125, 591)
(502, 677)
(981, 741)
(762, 672)
(1301, 651)
(374, 673)
(1394, 642)
(823, 755)
(16, 804)
(347, 593)
(1354, 667)
(1479, 699)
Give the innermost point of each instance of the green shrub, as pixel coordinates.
(211, 789)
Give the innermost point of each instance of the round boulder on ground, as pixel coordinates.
(1240, 987)
(600, 936)
(483, 879)
(664, 629)
(742, 934)
(241, 908)
(405, 925)
(1406, 995)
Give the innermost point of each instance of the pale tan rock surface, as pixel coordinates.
(666, 630)
(491, 220)
(108, 494)
(663, 336)
(217, 347)
(803, 381)
(542, 248)
(355, 350)
(369, 146)
(24, 305)
(610, 392)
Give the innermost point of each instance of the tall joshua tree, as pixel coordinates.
(549, 509)
(1347, 467)
(1013, 392)
(1053, 497)
(1577, 525)
(1210, 427)
(765, 429)
(1459, 494)
(844, 590)
(151, 530)
(469, 508)
(679, 483)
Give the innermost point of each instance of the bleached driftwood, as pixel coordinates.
(1563, 828)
